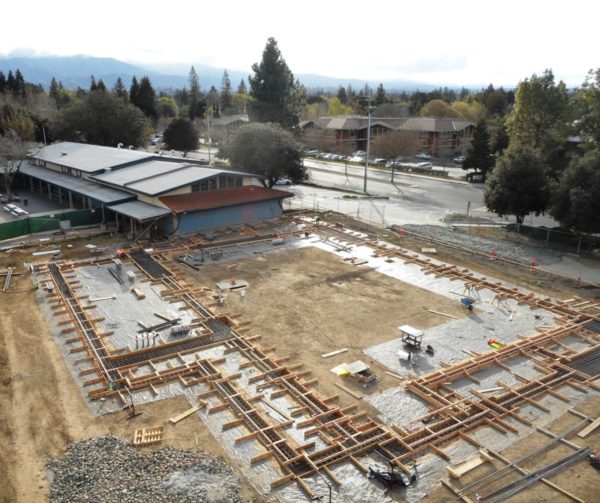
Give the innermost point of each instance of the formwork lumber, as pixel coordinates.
(458, 471)
(200, 405)
(589, 428)
(358, 396)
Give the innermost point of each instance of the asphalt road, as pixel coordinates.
(412, 198)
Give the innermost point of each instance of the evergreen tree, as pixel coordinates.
(242, 89)
(275, 93)
(501, 140)
(20, 87)
(93, 85)
(380, 97)
(181, 135)
(146, 99)
(134, 90)
(10, 82)
(226, 96)
(54, 91)
(479, 156)
(2, 83)
(197, 104)
(119, 90)
(342, 96)
(101, 86)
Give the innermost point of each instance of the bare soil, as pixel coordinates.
(305, 302)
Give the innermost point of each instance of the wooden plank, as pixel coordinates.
(589, 428)
(395, 375)
(349, 391)
(460, 470)
(201, 404)
(333, 353)
(444, 314)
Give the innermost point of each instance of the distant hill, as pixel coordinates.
(75, 71)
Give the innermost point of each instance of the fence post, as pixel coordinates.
(547, 237)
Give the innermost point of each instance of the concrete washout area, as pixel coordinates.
(122, 316)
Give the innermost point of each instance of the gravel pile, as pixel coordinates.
(519, 252)
(107, 469)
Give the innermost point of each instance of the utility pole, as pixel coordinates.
(368, 144)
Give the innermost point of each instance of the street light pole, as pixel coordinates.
(368, 145)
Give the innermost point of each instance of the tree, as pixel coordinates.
(276, 97)
(380, 97)
(134, 90)
(226, 97)
(588, 102)
(518, 185)
(576, 198)
(101, 86)
(242, 89)
(53, 91)
(395, 144)
(181, 134)
(145, 99)
(119, 90)
(197, 103)
(12, 154)
(337, 108)
(479, 156)
(469, 110)
(501, 140)
(267, 150)
(93, 85)
(438, 108)
(166, 107)
(2, 83)
(102, 119)
(16, 119)
(342, 96)
(540, 117)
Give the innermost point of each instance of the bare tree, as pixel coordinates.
(12, 154)
(395, 144)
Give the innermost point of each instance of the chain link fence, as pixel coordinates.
(554, 239)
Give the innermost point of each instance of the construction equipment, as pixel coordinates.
(391, 479)
(411, 337)
(358, 371)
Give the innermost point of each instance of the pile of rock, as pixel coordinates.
(107, 469)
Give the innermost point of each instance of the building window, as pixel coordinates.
(204, 185)
(222, 182)
(238, 181)
(195, 187)
(212, 183)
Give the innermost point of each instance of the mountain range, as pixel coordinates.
(75, 71)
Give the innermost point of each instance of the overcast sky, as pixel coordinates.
(458, 42)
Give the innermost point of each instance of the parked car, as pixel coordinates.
(393, 164)
(312, 153)
(358, 158)
(283, 181)
(380, 160)
(423, 156)
(423, 165)
(459, 160)
(476, 178)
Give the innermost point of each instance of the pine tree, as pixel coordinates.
(226, 97)
(380, 98)
(276, 96)
(10, 82)
(242, 89)
(134, 90)
(195, 108)
(146, 99)
(2, 83)
(93, 85)
(119, 90)
(479, 156)
(54, 91)
(20, 87)
(101, 86)
(342, 96)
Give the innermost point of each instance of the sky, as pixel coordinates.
(460, 42)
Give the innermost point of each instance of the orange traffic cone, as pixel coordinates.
(533, 265)
(494, 253)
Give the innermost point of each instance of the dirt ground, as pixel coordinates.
(42, 409)
(305, 302)
(308, 302)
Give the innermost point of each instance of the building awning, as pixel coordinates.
(92, 190)
(210, 199)
(139, 210)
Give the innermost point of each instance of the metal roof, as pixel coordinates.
(140, 210)
(157, 177)
(105, 195)
(425, 124)
(88, 158)
(209, 199)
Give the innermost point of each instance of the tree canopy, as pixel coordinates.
(103, 119)
(181, 135)
(576, 201)
(267, 150)
(12, 154)
(276, 97)
(438, 108)
(479, 155)
(518, 185)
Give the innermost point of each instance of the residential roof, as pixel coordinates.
(88, 158)
(426, 124)
(140, 210)
(230, 119)
(218, 198)
(105, 195)
(157, 177)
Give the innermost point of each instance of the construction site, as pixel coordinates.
(318, 358)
